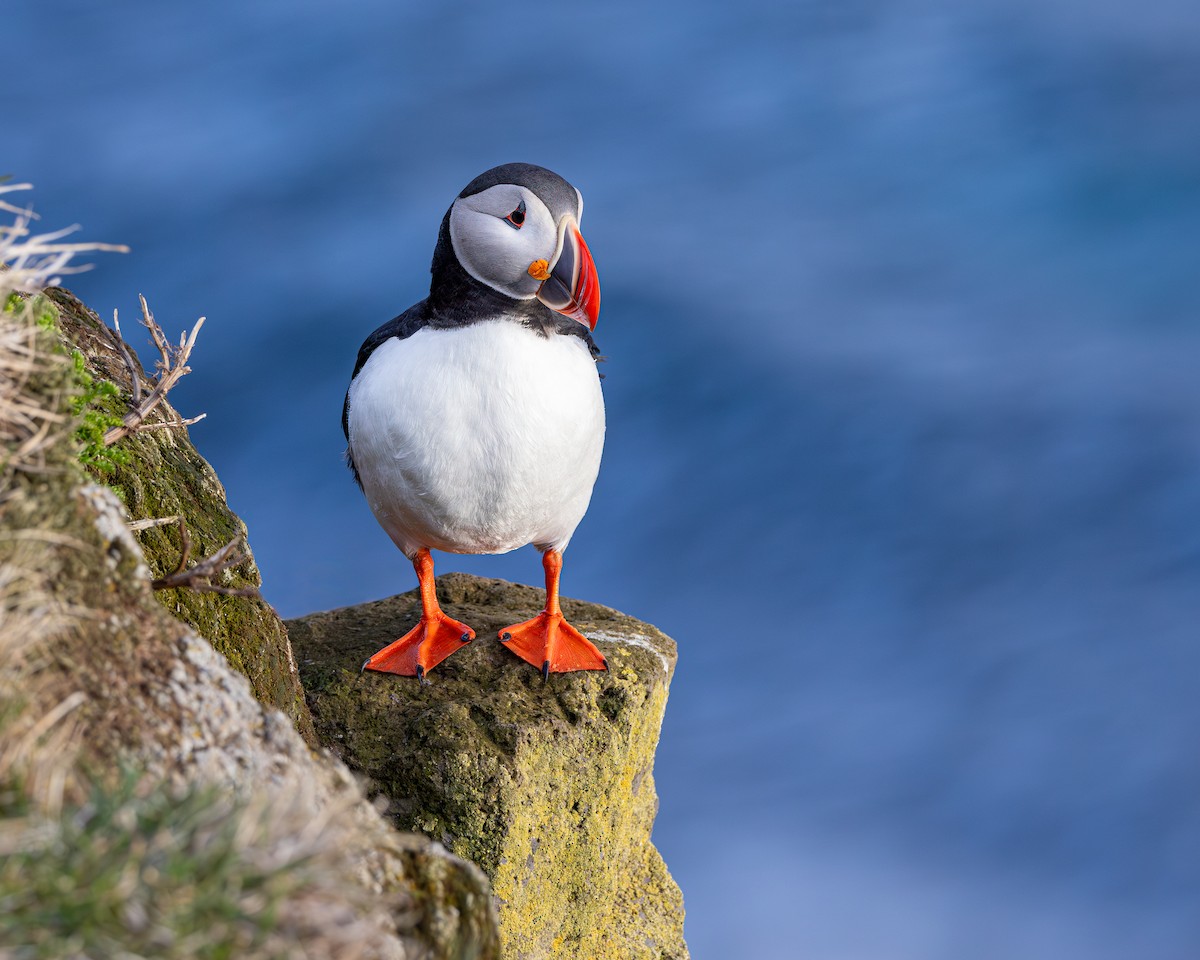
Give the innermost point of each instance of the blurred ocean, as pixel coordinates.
(901, 311)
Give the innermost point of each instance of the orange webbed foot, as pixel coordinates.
(548, 641)
(431, 641)
(426, 645)
(552, 645)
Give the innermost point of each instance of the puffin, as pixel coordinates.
(474, 420)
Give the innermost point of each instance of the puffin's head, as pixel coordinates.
(515, 229)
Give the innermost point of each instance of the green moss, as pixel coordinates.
(43, 312)
(93, 404)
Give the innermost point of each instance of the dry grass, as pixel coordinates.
(30, 261)
(33, 419)
(27, 421)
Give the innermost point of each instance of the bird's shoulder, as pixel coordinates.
(400, 328)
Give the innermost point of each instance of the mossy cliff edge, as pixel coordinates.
(152, 802)
(158, 473)
(547, 787)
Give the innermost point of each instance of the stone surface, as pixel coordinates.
(161, 474)
(547, 786)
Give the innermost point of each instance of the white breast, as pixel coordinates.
(478, 439)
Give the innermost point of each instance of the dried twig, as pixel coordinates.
(119, 340)
(168, 424)
(199, 577)
(29, 262)
(171, 366)
(152, 522)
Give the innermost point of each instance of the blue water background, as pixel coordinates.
(901, 311)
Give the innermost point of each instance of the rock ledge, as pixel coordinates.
(547, 786)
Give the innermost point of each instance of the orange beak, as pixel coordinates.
(572, 289)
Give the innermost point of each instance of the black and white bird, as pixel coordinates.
(475, 420)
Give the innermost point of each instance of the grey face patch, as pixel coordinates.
(490, 249)
(559, 196)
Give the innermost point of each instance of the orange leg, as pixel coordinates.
(428, 643)
(548, 641)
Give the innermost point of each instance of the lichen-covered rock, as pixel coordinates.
(548, 786)
(457, 917)
(159, 473)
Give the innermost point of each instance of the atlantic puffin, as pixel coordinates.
(474, 420)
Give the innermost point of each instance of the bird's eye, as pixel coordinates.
(517, 217)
